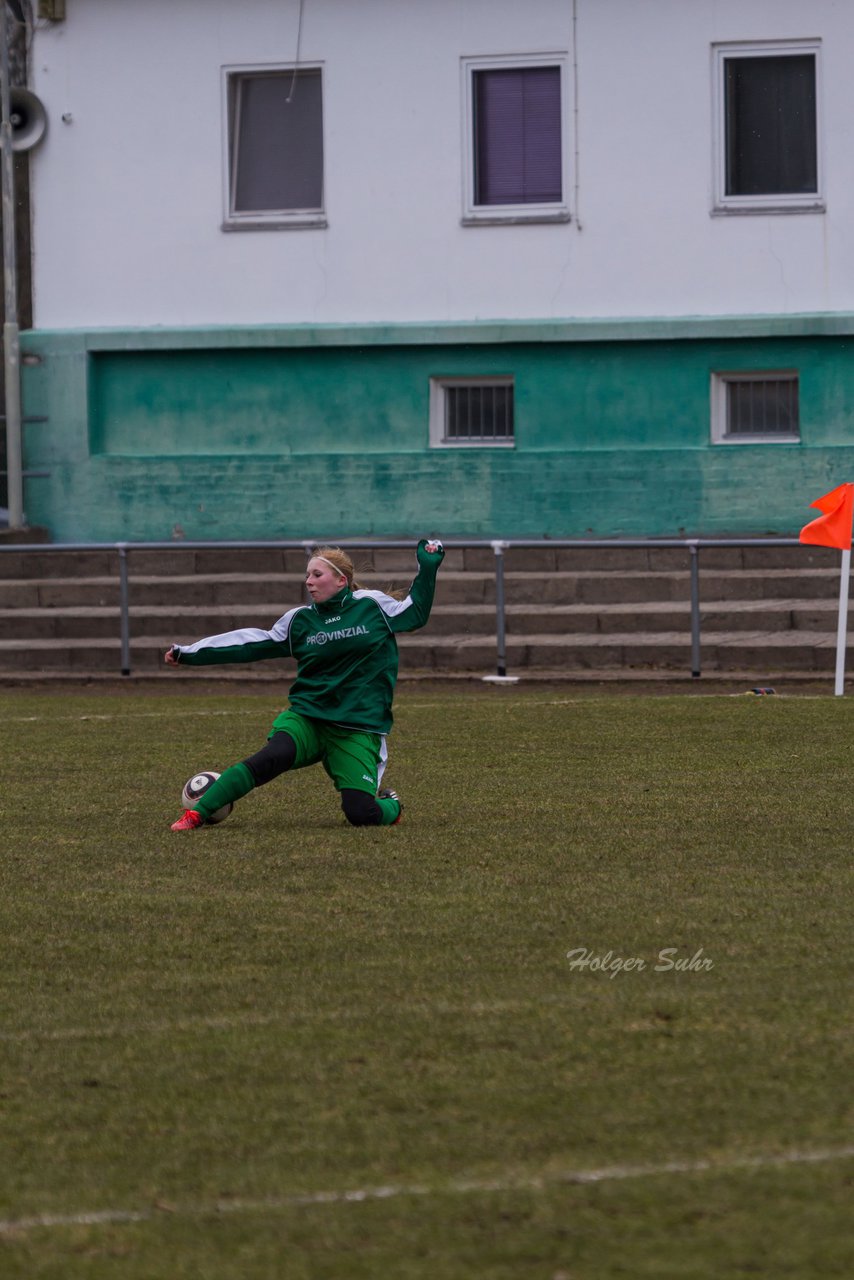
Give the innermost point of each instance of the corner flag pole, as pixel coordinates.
(845, 574)
(833, 529)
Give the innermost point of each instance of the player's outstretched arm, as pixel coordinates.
(416, 608)
(249, 644)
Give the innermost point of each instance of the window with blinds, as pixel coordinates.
(517, 136)
(516, 168)
(275, 147)
(770, 125)
(767, 127)
(471, 411)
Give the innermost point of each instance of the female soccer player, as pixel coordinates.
(340, 702)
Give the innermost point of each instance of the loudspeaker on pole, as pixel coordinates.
(28, 117)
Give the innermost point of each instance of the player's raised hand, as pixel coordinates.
(430, 551)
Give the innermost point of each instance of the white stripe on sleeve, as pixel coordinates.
(388, 604)
(282, 628)
(246, 635)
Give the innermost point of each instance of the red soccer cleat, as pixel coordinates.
(189, 822)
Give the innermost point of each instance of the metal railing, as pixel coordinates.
(692, 546)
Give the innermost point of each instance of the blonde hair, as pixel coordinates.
(340, 561)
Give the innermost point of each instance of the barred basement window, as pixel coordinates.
(750, 408)
(471, 411)
(274, 151)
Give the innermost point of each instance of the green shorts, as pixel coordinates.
(354, 760)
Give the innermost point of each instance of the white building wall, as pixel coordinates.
(128, 191)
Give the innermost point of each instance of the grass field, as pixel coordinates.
(283, 1047)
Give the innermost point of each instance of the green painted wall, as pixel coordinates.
(311, 432)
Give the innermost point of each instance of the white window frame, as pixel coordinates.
(485, 215)
(720, 423)
(438, 387)
(805, 202)
(279, 219)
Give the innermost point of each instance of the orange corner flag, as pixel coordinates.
(833, 528)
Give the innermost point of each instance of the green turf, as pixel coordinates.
(224, 1031)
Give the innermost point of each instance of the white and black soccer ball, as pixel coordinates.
(195, 788)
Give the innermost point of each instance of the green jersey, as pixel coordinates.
(345, 649)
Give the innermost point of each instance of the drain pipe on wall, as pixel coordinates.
(576, 182)
(11, 337)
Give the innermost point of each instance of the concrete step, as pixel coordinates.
(192, 622)
(476, 588)
(176, 560)
(757, 650)
(17, 537)
(761, 651)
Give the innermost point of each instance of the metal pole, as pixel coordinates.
(500, 629)
(11, 339)
(124, 601)
(842, 623)
(695, 610)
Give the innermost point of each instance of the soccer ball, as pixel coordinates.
(195, 788)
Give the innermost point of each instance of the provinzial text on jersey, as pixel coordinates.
(323, 637)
